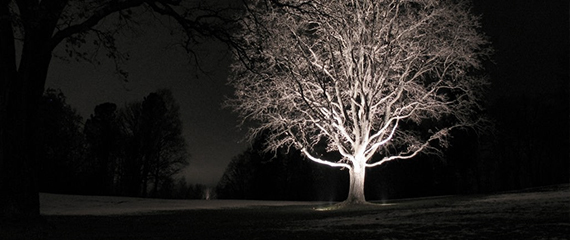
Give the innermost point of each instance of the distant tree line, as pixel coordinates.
(528, 148)
(135, 150)
(256, 174)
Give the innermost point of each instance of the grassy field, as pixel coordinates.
(533, 214)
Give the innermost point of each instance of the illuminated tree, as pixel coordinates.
(363, 77)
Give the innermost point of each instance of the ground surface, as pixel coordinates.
(542, 213)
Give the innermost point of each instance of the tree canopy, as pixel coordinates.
(366, 77)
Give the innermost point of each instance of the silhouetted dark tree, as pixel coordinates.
(200, 191)
(40, 26)
(102, 134)
(129, 171)
(236, 182)
(154, 148)
(183, 190)
(61, 158)
(164, 144)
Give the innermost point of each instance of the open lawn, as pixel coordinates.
(542, 213)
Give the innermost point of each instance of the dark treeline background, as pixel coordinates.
(283, 175)
(135, 150)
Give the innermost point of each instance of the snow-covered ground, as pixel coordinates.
(540, 213)
(58, 204)
(456, 210)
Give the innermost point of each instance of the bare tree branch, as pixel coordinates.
(98, 15)
(359, 76)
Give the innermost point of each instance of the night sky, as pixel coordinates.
(530, 38)
(156, 61)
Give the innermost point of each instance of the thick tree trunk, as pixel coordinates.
(18, 184)
(356, 187)
(20, 92)
(18, 146)
(18, 191)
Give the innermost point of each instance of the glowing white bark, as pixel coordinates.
(354, 74)
(356, 182)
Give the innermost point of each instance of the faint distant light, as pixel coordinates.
(207, 193)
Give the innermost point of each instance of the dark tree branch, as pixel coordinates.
(114, 6)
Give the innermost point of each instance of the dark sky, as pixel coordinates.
(530, 38)
(157, 62)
